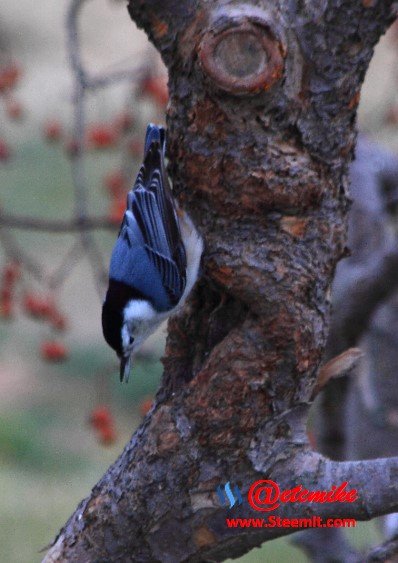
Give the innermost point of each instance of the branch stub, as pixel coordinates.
(242, 59)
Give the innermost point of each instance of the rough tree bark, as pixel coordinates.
(261, 125)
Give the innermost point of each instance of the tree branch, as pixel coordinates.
(377, 281)
(162, 19)
(370, 275)
(101, 81)
(16, 254)
(209, 539)
(259, 147)
(55, 225)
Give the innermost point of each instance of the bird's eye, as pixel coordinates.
(131, 339)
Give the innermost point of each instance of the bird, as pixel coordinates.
(155, 261)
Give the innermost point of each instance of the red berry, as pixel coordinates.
(107, 436)
(101, 136)
(4, 151)
(115, 183)
(9, 77)
(116, 213)
(14, 109)
(156, 88)
(11, 273)
(52, 130)
(53, 351)
(101, 417)
(145, 405)
(38, 306)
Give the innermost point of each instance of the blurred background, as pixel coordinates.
(64, 417)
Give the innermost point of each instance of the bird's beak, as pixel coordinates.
(125, 367)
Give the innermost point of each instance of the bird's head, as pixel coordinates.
(126, 329)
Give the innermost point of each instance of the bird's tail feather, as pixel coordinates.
(154, 133)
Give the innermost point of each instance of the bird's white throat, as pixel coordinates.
(140, 321)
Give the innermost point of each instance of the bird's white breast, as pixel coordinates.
(193, 247)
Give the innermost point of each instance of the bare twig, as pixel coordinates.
(104, 80)
(376, 281)
(14, 252)
(55, 225)
(77, 160)
(61, 273)
(81, 223)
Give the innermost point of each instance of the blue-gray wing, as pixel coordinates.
(131, 266)
(151, 217)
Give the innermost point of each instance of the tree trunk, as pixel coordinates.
(263, 98)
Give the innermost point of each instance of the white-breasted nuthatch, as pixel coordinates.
(155, 261)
